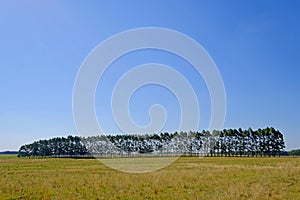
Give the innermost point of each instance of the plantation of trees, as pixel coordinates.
(230, 142)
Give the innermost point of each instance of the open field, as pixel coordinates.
(187, 178)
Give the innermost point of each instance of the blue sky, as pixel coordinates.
(255, 45)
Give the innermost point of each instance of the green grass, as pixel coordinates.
(8, 156)
(187, 178)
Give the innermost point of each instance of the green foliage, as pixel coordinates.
(71, 146)
(230, 142)
(295, 152)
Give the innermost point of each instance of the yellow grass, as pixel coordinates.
(187, 178)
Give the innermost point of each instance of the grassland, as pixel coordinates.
(187, 178)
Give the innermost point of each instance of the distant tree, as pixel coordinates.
(295, 152)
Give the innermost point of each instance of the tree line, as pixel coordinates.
(59, 146)
(227, 142)
(295, 152)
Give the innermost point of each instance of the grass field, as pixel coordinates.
(187, 178)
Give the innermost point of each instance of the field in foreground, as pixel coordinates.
(187, 178)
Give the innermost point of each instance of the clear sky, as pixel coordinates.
(255, 45)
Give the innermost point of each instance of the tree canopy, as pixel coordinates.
(227, 142)
(295, 152)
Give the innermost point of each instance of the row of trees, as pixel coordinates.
(71, 146)
(230, 142)
(295, 152)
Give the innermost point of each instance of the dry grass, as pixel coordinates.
(187, 178)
